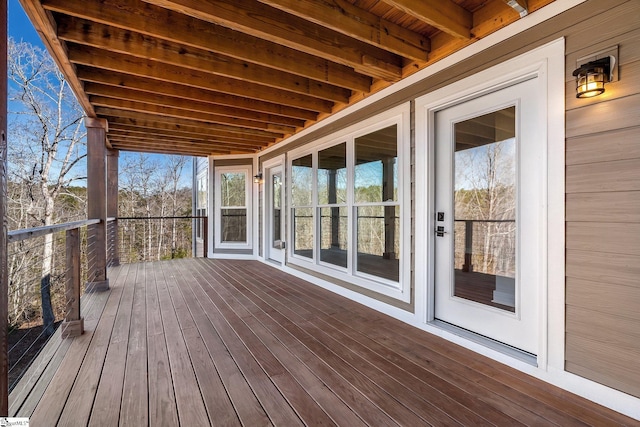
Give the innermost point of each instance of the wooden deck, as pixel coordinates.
(201, 342)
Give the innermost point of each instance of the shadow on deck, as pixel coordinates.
(216, 342)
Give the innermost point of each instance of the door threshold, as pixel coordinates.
(508, 350)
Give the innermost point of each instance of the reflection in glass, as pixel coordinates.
(303, 232)
(233, 225)
(233, 212)
(302, 181)
(376, 168)
(332, 175)
(333, 235)
(276, 191)
(378, 238)
(485, 209)
(232, 189)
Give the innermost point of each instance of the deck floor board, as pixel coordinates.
(229, 342)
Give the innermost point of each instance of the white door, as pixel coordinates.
(275, 214)
(489, 180)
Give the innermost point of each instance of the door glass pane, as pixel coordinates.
(276, 191)
(379, 241)
(333, 235)
(485, 209)
(376, 169)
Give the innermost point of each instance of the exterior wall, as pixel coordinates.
(603, 207)
(602, 318)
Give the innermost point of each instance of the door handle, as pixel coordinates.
(440, 231)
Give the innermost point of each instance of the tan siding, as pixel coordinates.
(622, 301)
(602, 181)
(620, 175)
(603, 267)
(604, 116)
(603, 147)
(603, 207)
(593, 360)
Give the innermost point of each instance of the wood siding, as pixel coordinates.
(603, 206)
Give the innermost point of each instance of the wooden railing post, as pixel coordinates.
(112, 202)
(205, 236)
(97, 203)
(73, 324)
(468, 246)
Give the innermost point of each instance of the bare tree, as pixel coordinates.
(152, 188)
(47, 145)
(175, 169)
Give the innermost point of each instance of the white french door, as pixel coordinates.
(274, 248)
(490, 174)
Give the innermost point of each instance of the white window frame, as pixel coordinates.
(246, 169)
(400, 290)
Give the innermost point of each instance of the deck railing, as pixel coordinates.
(53, 263)
(47, 267)
(485, 246)
(152, 238)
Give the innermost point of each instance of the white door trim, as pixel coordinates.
(266, 199)
(547, 64)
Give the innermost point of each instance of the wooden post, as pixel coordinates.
(97, 203)
(112, 201)
(73, 324)
(4, 281)
(468, 246)
(205, 236)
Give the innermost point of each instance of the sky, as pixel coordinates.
(21, 29)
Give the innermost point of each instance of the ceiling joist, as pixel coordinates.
(237, 76)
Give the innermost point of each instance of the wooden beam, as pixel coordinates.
(183, 112)
(166, 143)
(159, 134)
(113, 160)
(148, 19)
(106, 111)
(142, 136)
(114, 39)
(123, 93)
(442, 14)
(163, 150)
(352, 21)
(265, 22)
(195, 128)
(97, 203)
(201, 149)
(113, 79)
(170, 73)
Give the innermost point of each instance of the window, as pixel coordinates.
(302, 210)
(232, 207)
(347, 205)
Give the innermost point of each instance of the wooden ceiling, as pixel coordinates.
(202, 77)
